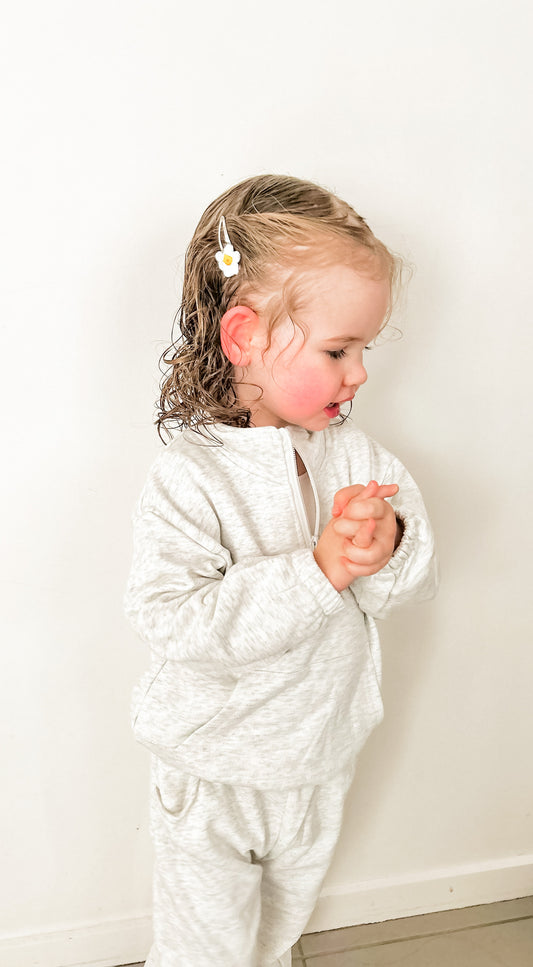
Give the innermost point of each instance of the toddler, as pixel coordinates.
(270, 535)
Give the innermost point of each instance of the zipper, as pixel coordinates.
(314, 538)
(299, 500)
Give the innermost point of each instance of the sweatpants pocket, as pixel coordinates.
(175, 791)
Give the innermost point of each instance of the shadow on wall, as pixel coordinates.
(406, 639)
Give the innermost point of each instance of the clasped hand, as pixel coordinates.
(361, 536)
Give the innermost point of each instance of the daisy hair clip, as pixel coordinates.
(227, 257)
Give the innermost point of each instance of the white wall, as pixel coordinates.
(123, 121)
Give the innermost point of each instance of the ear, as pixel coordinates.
(239, 328)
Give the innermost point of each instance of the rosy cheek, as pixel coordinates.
(305, 389)
(306, 393)
(303, 384)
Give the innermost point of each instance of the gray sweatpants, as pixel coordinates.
(238, 870)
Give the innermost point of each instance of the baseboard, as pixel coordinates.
(115, 942)
(407, 896)
(106, 944)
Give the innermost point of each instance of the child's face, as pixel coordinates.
(305, 378)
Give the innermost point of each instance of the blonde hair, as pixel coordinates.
(276, 222)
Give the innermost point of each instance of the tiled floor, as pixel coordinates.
(494, 935)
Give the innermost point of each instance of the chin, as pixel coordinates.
(315, 423)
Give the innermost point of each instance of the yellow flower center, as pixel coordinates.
(227, 260)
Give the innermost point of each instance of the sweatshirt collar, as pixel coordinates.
(266, 450)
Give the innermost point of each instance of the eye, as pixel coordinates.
(336, 353)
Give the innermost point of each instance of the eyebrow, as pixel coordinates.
(343, 339)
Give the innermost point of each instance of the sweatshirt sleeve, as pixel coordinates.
(189, 601)
(412, 572)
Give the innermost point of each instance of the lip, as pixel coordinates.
(334, 409)
(340, 402)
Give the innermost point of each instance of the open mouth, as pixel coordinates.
(333, 409)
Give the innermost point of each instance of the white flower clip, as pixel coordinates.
(228, 258)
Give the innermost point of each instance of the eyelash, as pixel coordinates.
(336, 353)
(339, 353)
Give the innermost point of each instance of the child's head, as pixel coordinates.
(299, 244)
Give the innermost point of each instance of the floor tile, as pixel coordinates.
(297, 960)
(490, 935)
(498, 945)
(414, 927)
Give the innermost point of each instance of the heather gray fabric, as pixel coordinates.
(264, 683)
(238, 870)
(262, 674)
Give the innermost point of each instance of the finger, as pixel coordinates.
(361, 570)
(365, 534)
(350, 528)
(387, 490)
(343, 497)
(366, 556)
(347, 526)
(361, 509)
(359, 492)
(354, 529)
(352, 519)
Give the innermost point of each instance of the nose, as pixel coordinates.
(356, 374)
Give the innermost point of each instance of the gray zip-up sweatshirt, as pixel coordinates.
(262, 673)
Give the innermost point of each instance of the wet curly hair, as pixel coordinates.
(278, 224)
